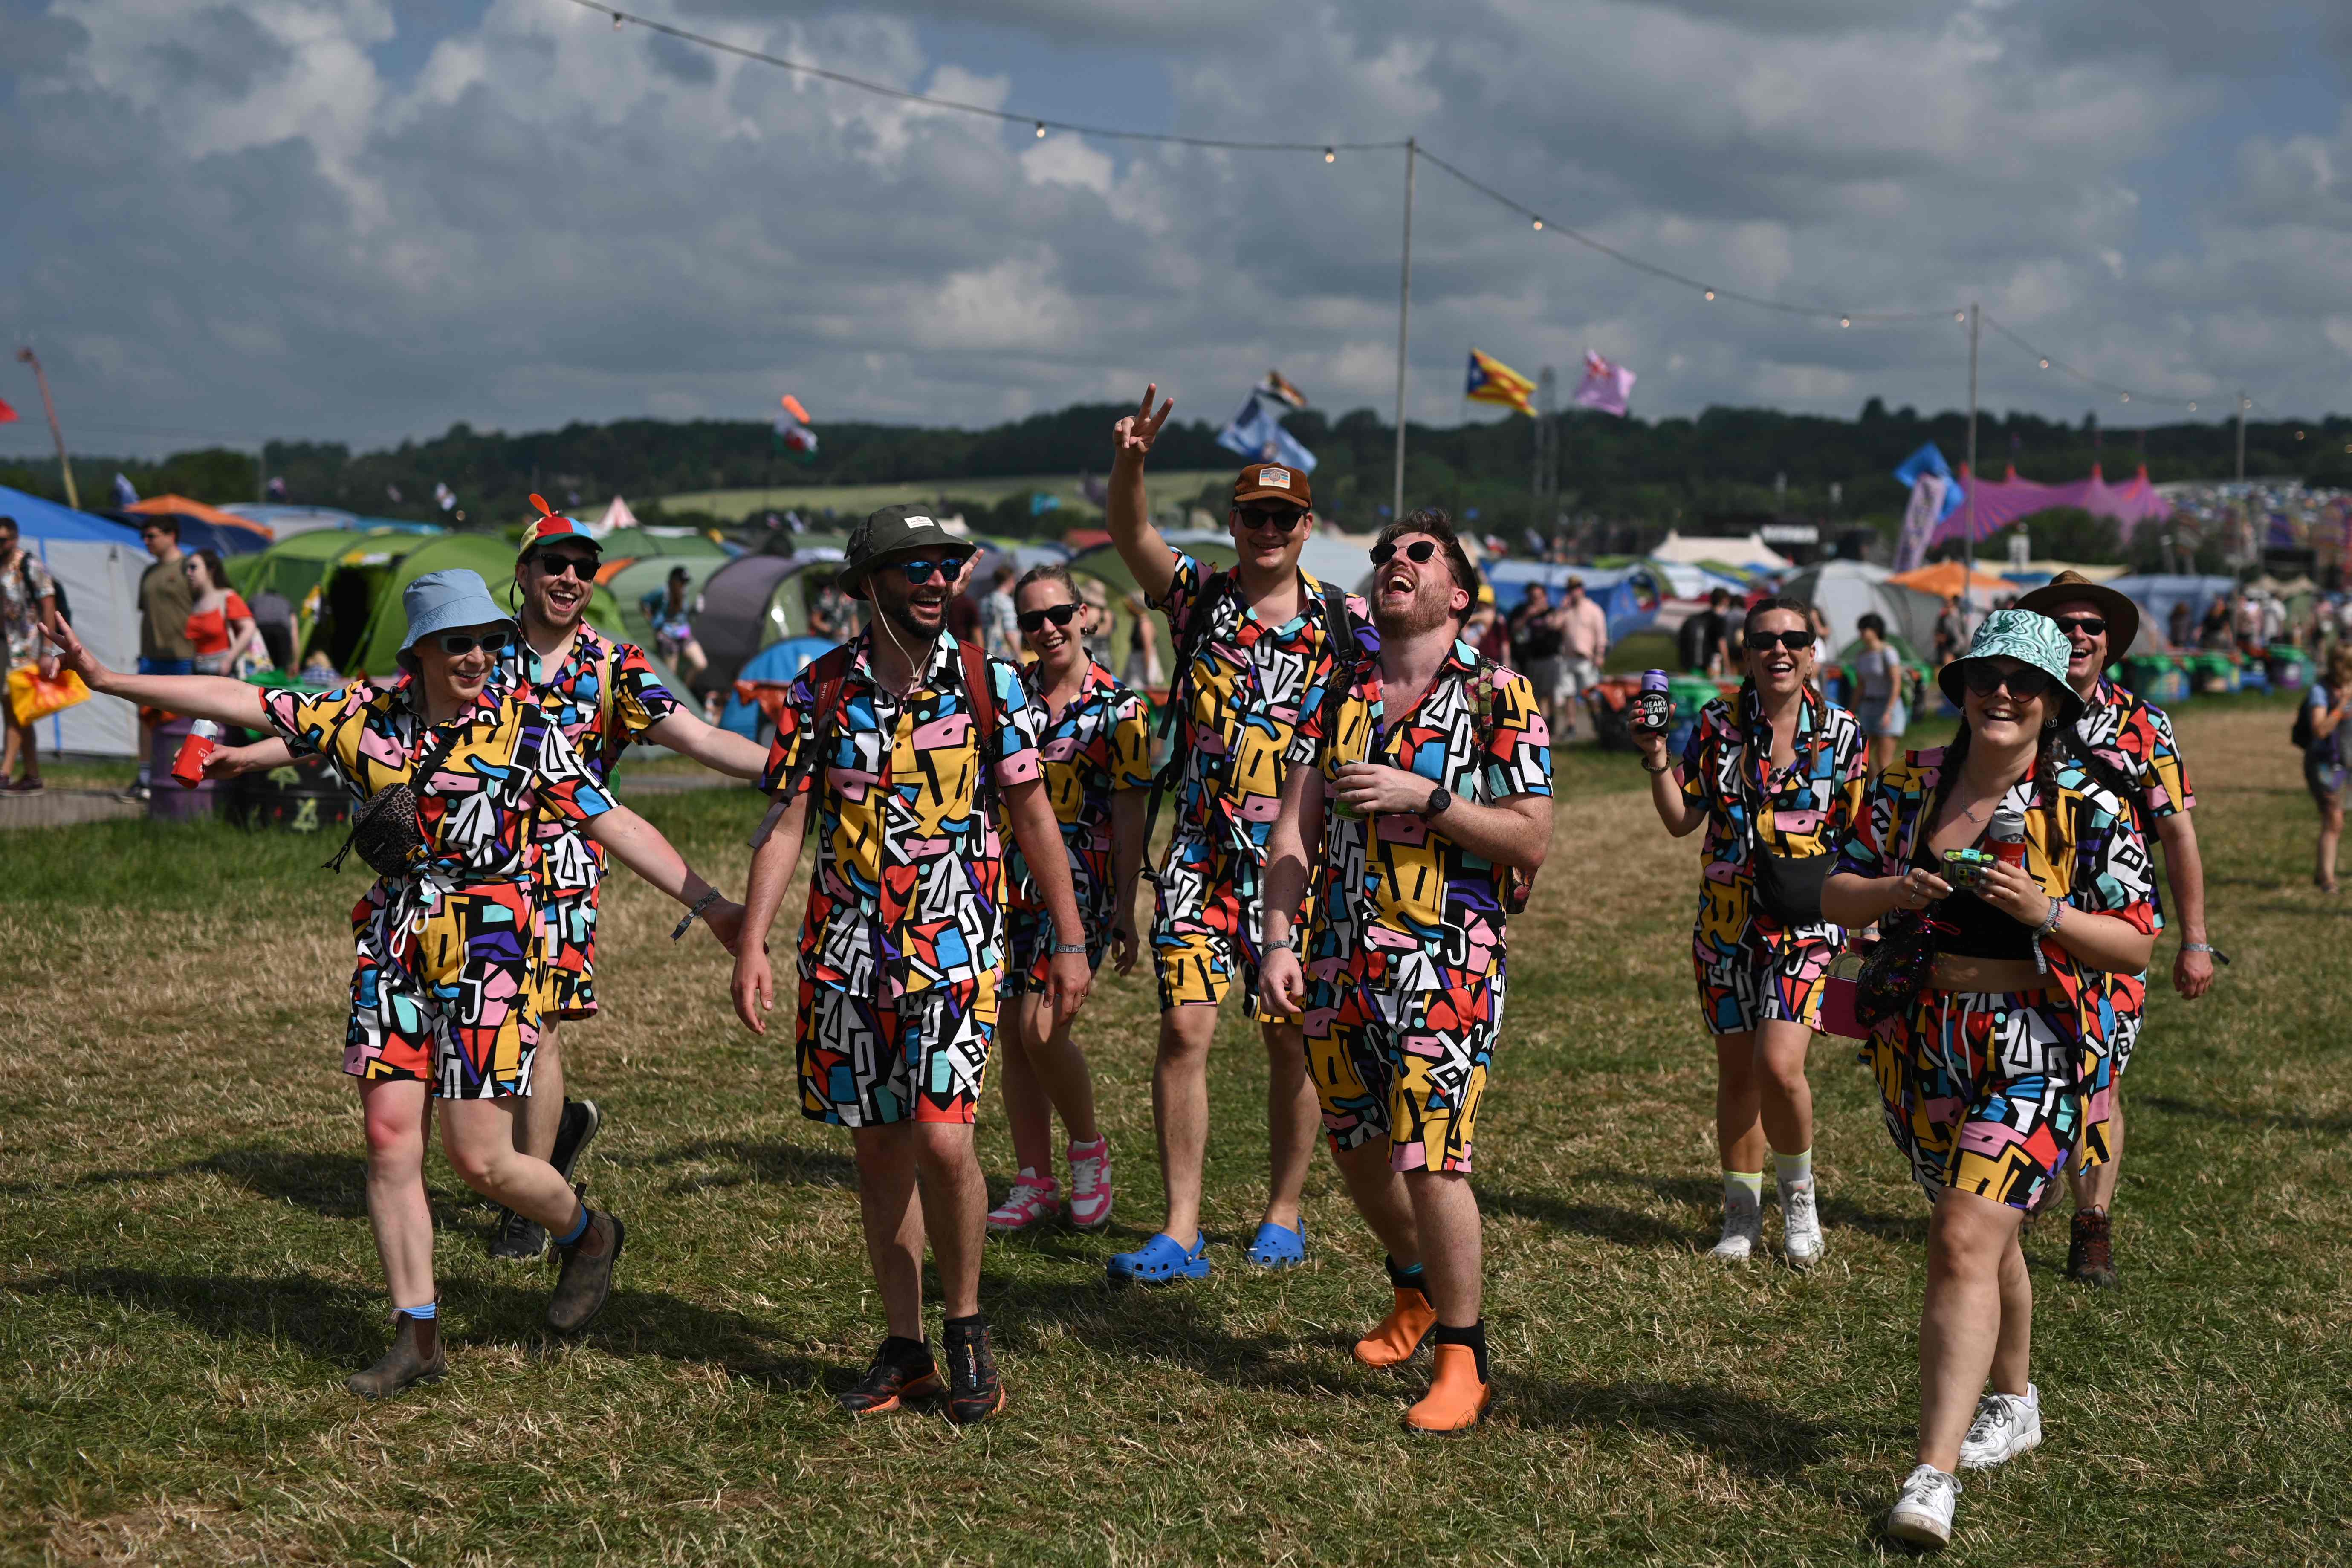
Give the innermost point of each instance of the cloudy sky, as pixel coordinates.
(366, 220)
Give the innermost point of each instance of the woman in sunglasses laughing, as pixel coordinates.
(2030, 865)
(447, 996)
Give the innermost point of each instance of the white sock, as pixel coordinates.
(1793, 1170)
(1750, 1183)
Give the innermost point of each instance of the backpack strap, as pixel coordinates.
(1340, 629)
(1172, 733)
(979, 690)
(828, 677)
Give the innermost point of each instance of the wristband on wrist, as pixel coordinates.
(2219, 956)
(1653, 772)
(1062, 947)
(695, 912)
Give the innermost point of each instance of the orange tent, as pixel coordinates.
(1944, 577)
(169, 505)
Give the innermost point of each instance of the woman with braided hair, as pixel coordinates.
(1986, 1067)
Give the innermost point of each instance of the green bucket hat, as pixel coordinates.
(2026, 635)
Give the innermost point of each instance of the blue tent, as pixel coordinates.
(98, 562)
(1628, 595)
(777, 661)
(2155, 594)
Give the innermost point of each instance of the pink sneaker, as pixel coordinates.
(1033, 1201)
(1090, 1184)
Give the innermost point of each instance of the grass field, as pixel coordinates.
(186, 1273)
(851, 500)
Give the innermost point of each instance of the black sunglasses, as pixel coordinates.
(919, 572)
(1795, 642)
(2089, 625)
(1035, 620)
(455, 643)
(1418, 552)
(2025, 683)
(581, 566)
(1282, 519)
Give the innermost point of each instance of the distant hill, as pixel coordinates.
(1631, 471)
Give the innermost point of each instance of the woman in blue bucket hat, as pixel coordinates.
(1984, 1061)
(447, 996)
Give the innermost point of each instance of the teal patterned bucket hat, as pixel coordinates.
(2028, 637)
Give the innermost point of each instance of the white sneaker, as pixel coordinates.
(1800, 1226)
(2007, 1424)
(1090, 1184)
(1921, 1514)
(1743, 1228)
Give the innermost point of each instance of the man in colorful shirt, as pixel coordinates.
(2134, 738)
(911, 768)
(1438, 768)
(1252, 646)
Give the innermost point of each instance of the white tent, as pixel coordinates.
(1751, 552)
(616, 516)
(1846, 591)
(98, 564)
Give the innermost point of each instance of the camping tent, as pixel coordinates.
(350, 586)
(1846, 591)
(755, 600)
(285, 521)
(1751, 552)
(1629, 596)
(222, 530)
(378, 651)
(98, 564)
(637, 544)
(1944, 577)
(650, 574)
(2157, 594)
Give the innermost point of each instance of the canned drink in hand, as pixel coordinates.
(1654, 707)
(188, 767)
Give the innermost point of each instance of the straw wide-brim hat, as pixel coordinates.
(2072, 587)
(2028, 637)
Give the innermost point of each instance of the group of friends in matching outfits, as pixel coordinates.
(1361, 800)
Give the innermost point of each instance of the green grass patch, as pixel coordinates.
(186, 1272)
(853, 500)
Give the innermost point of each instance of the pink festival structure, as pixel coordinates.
(2131, 503)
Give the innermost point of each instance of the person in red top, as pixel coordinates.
(220, 627)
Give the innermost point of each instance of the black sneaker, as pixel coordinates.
(894, 1379)
(517, 1239)
(2090, 1255)
(574, 1133)
(974, 1391)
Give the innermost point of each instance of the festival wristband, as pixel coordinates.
(2219, 956)
(1063, 947)
(712, 896)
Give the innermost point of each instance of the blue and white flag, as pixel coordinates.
(1934, 496)
(125, 493)
(1256, 433)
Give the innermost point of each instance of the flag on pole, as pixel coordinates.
(1605, 387)
(793, 427)
(1277, 385)
(1492, 381)
(125, 492)
(7, 414)
(1256, 432)
(1934, 496)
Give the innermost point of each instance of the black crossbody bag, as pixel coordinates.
(1788, 886)
(385, 828)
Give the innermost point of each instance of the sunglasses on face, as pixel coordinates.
(1060, 615)
(2089, 625)
(918, 573)
(1281, 519)
(1418, 552)
(455, 643)
(1795, 642)
(2025, 683)
(578, 567)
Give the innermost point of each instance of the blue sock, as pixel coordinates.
(425, 1313)
(577, 1231)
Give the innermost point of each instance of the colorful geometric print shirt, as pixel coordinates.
(1807, 806)
(1099, 744)
(2083, 846)
(599, 729)
(907, 890)
(1399, 904)
(2135, 738)
(1246, 689)
(476, 816)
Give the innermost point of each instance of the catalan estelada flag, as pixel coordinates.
(1492, 381)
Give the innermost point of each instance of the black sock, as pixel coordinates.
(976, 1323)
(901, 1351)
(1412, 1278)
(1475, 1336)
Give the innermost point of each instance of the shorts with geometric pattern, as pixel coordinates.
(461, 1006)
(1406, 1066)
(921, 1057)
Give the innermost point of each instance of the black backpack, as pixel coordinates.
(2302, 734)
(57, 589)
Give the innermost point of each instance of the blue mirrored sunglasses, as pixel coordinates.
(919, 572)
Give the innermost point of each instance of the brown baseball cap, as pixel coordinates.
(1275, 481)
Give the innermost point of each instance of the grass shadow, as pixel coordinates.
(1187, 1325)
(764, 1160)
(2288, 1122)
(333, 1186)
(1602, 1222)
(1742, 1434)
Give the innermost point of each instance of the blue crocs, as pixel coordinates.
(1161, 1261)
(1275, 1249)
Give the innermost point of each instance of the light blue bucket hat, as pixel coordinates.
(445, 600)
(2028, 637)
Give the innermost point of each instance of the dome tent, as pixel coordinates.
(378, 648)
(753, 601)
(1846, 591)
(98, 562)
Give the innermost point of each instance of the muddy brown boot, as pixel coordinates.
(587, 1277)
(414, 1357)
(2090, 1254)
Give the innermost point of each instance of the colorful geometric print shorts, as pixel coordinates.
(1984, 1091)
(571, 954)
(919, 1057)
(1205, 934)
(460, 1009)
(1029, 950)
(1406, 1066)
(1775, 976)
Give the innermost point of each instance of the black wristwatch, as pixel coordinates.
(1438, 799)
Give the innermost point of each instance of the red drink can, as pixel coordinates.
(188, 767)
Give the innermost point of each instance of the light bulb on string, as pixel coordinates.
(1959, 315)
(1330, 154)
(1710, 293)
(616, 21)
(2045, 364)
(2127, 397)
(1846, 320)
(1041, 131)
(1539, 226)
(2193, 408)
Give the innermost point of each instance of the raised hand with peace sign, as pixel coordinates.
(1127, 510)
(1132, 436)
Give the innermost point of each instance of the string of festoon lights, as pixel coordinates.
(1329, 150)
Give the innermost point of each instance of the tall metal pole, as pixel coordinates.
(2242, 403)
(64, 467)
(2245, 501)
(1404, 319)
(1969, 579)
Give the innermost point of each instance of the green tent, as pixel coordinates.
(378, 646)
(636, 545)
(293, 567)
(632, 582)
(350, 585)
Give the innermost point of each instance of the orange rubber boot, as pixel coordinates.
(1400, 1333)
(1456, 1399)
